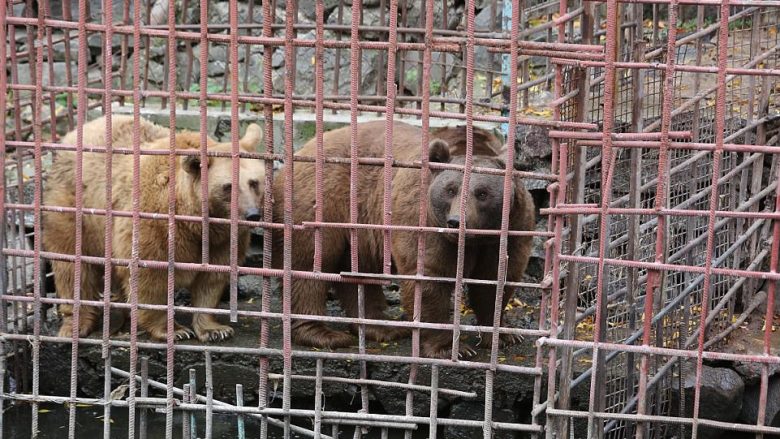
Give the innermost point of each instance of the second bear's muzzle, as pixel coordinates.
(253, 214)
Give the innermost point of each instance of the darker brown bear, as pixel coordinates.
(206, 287)
(484, 202)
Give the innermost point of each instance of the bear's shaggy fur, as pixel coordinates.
(206, 288)
(443, 191)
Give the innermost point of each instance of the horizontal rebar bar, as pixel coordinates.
(378, 383)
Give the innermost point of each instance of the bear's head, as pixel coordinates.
(485, 192)
(251, 176)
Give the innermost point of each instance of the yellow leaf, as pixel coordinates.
(118, 393)
(44, 411)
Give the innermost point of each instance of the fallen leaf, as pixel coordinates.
(118, 393)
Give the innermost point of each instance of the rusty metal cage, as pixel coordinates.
(646, 131)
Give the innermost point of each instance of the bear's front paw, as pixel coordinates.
(504, 340)
(317, 335)
(444, 350)
(86, 326)
(215, 332)
(383, 334)
(179, 333)
(183, 333)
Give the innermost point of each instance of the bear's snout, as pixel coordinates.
(253, 214)
(453, 221)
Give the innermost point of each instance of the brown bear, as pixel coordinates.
(206, 288)
(481, 256)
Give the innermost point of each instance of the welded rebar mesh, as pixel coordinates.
(679, 303)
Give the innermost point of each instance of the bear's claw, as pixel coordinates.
(504, 340)
(216, 333)
(183, 334)
(445, 351)
(180, 333)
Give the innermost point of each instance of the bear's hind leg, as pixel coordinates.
(206, 292)
(309, 297)
(375, 305)
(91, 284)
(435, 306)
(151, 290)
(155, 323)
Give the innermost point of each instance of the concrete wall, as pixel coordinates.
(304, 125)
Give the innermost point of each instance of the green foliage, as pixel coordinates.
(741, 24)
(212, 87)
(690, 25)
(254, 87)
(410, 76)
(435, 87)
(62, 100)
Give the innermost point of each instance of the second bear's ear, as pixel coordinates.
(252, 138)
(438, 151)
(191, 165)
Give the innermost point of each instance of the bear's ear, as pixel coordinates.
(191, 165)
(438, 151)
(252, 138)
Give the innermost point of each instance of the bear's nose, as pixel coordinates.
(253, 214)
(453, 222)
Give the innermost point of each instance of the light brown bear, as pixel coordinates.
(485, 199)
(206, 288)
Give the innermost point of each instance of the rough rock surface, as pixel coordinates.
(750, 406)
(722, 392)
(373, 68)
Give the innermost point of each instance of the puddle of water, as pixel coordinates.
(53, 423)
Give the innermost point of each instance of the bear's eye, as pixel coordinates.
(254, 184)
(482, 195)
(451, 191)
(226, 187)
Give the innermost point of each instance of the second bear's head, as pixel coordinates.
(485, 193)
(251, 174)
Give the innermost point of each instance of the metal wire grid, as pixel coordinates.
(620, 388)
(686, 236)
